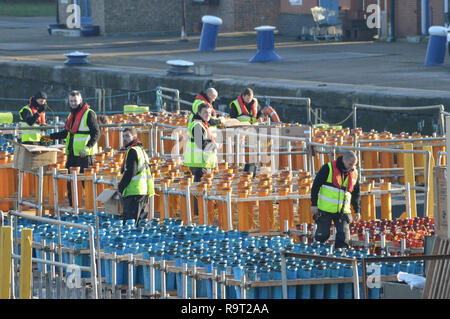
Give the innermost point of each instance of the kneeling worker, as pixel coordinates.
(136, 185)
(334, 188)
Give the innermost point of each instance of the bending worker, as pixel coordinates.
(335, 187)
(200, 153)
(245, 109)
(208, 97)
(32, 116)
(81, 134)
(136, 185)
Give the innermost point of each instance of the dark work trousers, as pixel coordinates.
(198, 172)
(341, 223)
(82, 163)
(135, 207)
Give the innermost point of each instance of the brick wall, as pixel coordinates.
(162, 16)
(407, 18)
(237, 15)
(98, 14)
(305, 8)
(437, 12)
(142, 16)
(293, 24)
(253, 13)
(224, 10)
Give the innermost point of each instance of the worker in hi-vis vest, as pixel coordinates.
(245, 108)
(31, 117)
(136, 185)
(208, 97)
(200, 152)
(81, 134)
(334, 189)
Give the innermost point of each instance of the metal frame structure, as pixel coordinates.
(440, 107)
(58, 249)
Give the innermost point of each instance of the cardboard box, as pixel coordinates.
(31, 157)
(302, 131)
(440, 201)
(112, 202)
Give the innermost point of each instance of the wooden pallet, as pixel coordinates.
(437, 285)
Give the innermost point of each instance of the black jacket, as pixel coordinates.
(94, 130)
(321, 178)
(30, 118)
(130, 167)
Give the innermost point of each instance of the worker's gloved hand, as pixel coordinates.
(84, 151)
(222, 122)
(315, 212)
(46, 139)
(357, 217)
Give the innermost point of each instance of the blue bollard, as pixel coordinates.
(209, 34)
(436, 46)
(265, 43)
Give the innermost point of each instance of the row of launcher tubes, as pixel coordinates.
(224, 179)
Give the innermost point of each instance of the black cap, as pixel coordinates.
(40, 95)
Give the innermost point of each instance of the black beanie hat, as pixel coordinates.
(40, 95)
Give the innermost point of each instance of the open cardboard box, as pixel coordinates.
(31, 157)
(112, 203)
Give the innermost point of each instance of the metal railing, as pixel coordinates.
(92, 252)
(440, 107)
